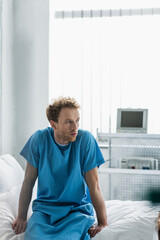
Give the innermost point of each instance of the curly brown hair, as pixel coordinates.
(53, 110)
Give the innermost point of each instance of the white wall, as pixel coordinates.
(0, 79)
(25, 39)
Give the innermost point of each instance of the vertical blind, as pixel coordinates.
(107, 63)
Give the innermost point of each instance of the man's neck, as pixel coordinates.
(60, 141)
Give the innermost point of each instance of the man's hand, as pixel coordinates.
(95, 229)
(19, 226)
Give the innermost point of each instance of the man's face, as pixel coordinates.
(66, 129)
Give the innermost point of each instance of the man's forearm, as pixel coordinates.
(24, 199)
(31, 173)
(99, 205)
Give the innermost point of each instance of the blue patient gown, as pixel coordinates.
(62, 209)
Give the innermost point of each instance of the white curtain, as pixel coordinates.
(107, 63)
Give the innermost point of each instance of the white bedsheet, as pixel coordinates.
(130, 220)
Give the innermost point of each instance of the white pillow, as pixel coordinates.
(8, 213)
(9, 210)
(11, 173)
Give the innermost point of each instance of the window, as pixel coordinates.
(106, 62)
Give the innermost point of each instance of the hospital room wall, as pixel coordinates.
(0, 75)
(24, 72)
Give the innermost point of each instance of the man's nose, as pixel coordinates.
(74, 125)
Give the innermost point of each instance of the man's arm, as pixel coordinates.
(19, 225)
(91, 178)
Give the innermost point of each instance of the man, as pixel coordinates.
(65, 160)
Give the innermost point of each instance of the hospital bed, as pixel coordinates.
(127, 220)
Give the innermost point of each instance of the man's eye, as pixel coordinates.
(68, 121)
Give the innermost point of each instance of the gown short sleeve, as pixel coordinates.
(30, 150)
(92, 154)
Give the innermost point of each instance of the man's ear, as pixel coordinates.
(53, 124)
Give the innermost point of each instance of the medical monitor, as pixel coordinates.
(132, 120)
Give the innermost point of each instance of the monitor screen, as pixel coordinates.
(132, 119)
